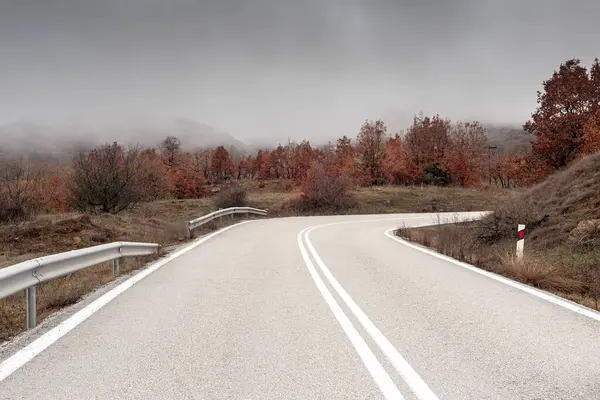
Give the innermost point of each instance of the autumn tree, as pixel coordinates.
(345, 157)
(260, 165)
(54, 188)
(154, 178)
(397, 164)
(221, 164)
(466, 153)
(427, 141)
(171, 149)
(278, 162)
(569, 98)
(371, 151)
(302, 158)
(591, 133)
(246, 167)
(325, 187)
(187, 183)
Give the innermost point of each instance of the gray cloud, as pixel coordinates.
(279, 68)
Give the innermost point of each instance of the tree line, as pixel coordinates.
(432, 151)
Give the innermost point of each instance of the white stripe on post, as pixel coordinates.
(521, 241)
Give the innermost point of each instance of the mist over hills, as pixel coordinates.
(58, 142)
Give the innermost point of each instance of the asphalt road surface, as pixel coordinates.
(318, 308)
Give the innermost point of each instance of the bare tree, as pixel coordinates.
(20, 189)
(108, 179)
(171, 148)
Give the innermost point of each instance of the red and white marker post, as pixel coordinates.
(521, 241)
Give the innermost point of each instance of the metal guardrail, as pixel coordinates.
(198, 222)
(28, 274)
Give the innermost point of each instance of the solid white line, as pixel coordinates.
(26, 354)
(517, 285)
(410, 376)
(379, 374)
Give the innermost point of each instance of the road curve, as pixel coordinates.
(318, 308)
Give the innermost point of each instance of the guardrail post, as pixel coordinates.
(116, 266)
(31, 306)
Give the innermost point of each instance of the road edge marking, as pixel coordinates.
(409, 375)
(27, 353)
(379, 374)
(577, 308)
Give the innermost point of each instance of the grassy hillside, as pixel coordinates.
(562, 245)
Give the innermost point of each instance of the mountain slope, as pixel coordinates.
(53, 143)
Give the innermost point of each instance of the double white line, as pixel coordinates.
(377, 371)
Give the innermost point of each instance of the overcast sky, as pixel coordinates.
(279, 68)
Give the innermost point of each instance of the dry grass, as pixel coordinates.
(562, 245)
(384, 199)
(536, 271)
(460, 242)
(58, 293)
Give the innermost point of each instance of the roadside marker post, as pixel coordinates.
(521, 241)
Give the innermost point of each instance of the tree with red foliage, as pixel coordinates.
(591, 133)
(345, 157)
(221, 164)
(397, 163)
(568, 100)
(260, 165)
(427, 142)
(278, 162)
(465, 156)
(303, 157)
(155, 180)
(55, 189)
(187, 183)
(325, 187)
(371, 151)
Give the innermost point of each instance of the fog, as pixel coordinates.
(284, 68)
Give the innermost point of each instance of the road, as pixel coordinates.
(273, 310)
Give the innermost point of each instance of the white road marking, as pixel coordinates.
(379, 374)
(27, 353)
(579, 309)
(410, 376)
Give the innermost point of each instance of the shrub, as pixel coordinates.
(20, 190)
(436, 176)
(187, 183)
(231, 196)
(110, 179)
(325, 188)
(502, 224)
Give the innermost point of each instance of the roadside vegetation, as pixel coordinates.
(128, 193)
(561, 214)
